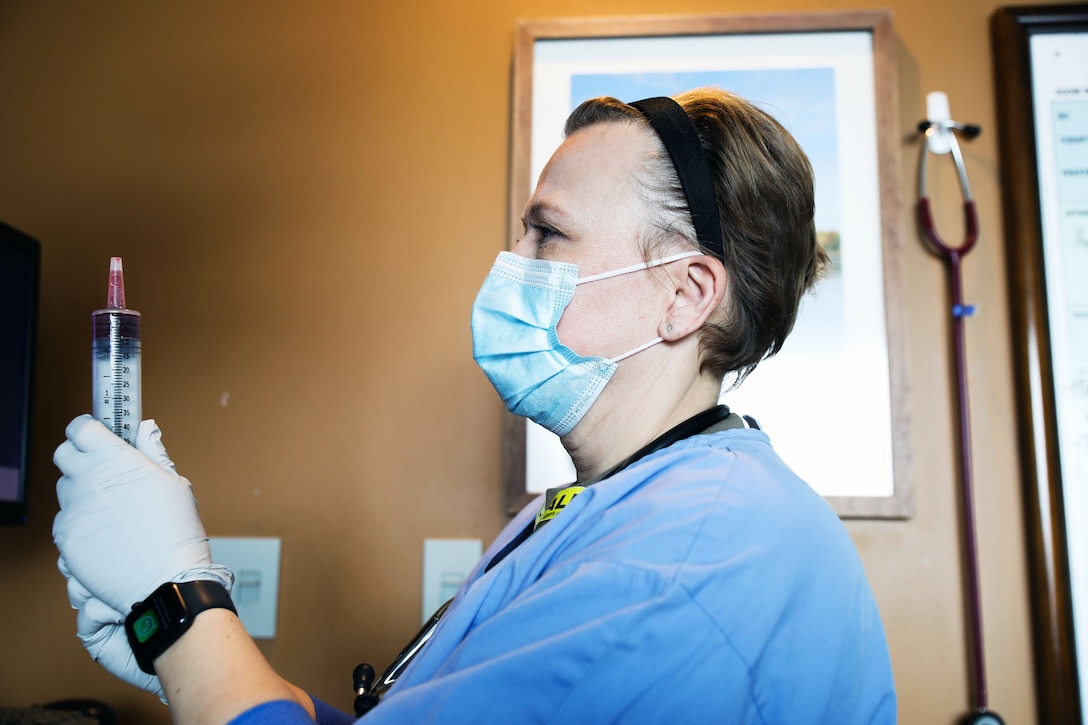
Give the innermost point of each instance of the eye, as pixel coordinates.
(544, 233)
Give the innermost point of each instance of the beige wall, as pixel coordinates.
(306, 196)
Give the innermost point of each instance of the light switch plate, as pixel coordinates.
(256, 566)
(446, 565)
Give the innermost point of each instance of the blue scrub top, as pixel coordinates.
(704, 583)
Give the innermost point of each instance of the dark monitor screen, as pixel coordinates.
(20, 265)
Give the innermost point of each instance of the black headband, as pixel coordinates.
(681, 140)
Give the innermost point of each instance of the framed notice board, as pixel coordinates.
(1041, 85)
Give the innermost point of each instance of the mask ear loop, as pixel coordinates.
(638, 349)
(635, 268)
(640, 266)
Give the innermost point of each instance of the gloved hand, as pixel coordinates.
(102, 631)
(128, 522)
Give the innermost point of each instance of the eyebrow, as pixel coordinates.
(539, 209)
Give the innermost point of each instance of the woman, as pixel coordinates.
(688, 575)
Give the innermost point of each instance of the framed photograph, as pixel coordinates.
(1041, 76)
(834, 400)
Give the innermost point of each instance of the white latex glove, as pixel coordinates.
(102, 632)
(128, 522)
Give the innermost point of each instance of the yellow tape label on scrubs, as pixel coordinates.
(558, 502)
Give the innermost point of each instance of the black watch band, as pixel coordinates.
(158, 621)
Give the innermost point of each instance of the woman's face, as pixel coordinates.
(586, 210)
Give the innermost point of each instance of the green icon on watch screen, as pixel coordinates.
(145, 626)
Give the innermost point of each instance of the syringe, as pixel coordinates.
(116, 345)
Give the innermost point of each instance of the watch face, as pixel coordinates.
(145, 626)
(155, 623)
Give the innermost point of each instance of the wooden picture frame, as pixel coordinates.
(1041, 363)
(579, 51)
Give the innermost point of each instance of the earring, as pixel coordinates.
(668, 328)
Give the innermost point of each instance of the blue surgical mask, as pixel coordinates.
(514, 339)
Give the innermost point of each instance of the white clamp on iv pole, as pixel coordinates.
(939, 137)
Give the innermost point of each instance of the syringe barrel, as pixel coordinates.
(116, 361)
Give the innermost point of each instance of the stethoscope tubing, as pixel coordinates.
(954, 255)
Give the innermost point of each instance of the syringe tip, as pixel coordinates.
(115, 294)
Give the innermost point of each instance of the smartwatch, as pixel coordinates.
(158, 621)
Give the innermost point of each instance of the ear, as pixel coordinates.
(698, 289)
